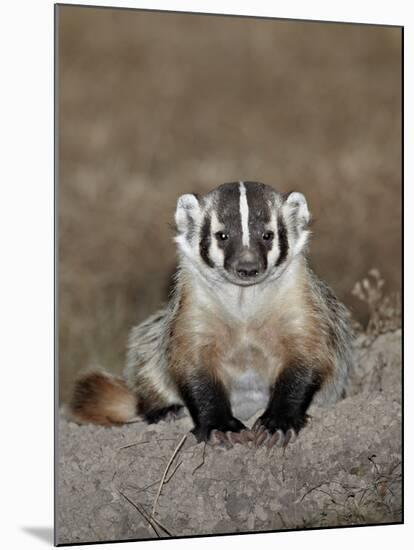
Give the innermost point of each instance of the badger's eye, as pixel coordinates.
(268, 236)
(221, 236)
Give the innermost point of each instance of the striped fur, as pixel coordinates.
(247, 315)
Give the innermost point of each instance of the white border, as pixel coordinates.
(26, 289)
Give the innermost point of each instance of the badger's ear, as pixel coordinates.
(187, 214)
(297, 209)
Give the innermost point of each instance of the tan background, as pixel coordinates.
(153, 105)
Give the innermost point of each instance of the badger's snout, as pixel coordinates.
(248, 270)
(248, 266)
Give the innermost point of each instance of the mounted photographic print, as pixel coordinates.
(228, 330)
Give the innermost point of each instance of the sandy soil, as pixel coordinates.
(154, 105)
(344, 469)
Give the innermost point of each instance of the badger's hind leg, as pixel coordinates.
(172, 412)
(147, 370)
(155, 402)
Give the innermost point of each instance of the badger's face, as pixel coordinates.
(244, 232)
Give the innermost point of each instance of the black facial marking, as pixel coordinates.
(259, 199)
(228, 209)
(228, 213)
(205, 241)
(290, 398)
(283, 241)
(258, 196)
(231, 249)
(263, 248)
(209, 406)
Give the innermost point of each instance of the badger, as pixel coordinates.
(249, 327)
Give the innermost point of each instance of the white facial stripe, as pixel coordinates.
(244, 215)
(273, 253)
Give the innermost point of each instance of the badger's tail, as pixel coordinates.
(100, 398)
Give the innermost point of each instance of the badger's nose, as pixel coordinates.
(247, 270)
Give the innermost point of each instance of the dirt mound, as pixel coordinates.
(344, 469)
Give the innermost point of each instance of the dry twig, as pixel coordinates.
(143, 514)
(178, 447)
(132, 445)
(311, 489)
(152, 521)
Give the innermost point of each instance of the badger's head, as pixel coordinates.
(244, 232)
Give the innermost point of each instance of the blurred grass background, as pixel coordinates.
(152, 105)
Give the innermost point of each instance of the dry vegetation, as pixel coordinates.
(153, 105)
(384, 311)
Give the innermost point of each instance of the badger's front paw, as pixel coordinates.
(228, 438)
(271, 430)
(227, 433)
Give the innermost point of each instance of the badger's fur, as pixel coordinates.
(249, 326)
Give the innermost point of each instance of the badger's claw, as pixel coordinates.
(243, 437)
(228, 439)
(258, 427)
(218, 438)
(290, 436)
(278, 438)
